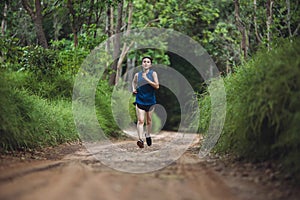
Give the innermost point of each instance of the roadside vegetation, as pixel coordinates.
(263, 108)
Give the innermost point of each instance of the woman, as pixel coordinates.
(144, 84)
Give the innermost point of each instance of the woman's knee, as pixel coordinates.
(149, 121)
(140, 121)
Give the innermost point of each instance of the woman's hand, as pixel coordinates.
(144, 75)
(154, 83)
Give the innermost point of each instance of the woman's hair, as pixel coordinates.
(147, 57)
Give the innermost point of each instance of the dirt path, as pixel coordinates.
(71, 172)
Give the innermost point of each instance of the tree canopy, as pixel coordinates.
(231, 31)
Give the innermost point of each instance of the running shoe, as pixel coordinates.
(149, 141)
(140, 143)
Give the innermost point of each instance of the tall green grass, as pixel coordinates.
(28, 121)
(52, 88)
(263, 108)
(36, 95)
(104, 109)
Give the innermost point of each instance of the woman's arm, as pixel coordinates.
(153, 83)
(134, 84)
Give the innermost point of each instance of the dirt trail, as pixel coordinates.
(71, 172)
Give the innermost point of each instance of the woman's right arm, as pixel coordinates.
(134, 84)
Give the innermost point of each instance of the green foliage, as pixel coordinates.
(205, 111)
(104, 109)
(121, 113)
(44, 71)
(27, 121)
(263, 107)
(183, 15)
(87, 39)
(10, 53)
(41, 61)
(69, 57)
(18, 24)
(50, 72)
(222, 45)
(142, 13)
(57, 87)
(210, 22)
(109, 106)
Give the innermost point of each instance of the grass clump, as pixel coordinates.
(28, 121)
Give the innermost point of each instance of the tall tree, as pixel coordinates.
(37, 17)
(116, 53)
(258, 36)
(3, 23)
(241, 27)
(75, 24)
(82, 12)
(126, 46)
(269, 11)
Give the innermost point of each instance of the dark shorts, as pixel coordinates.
(146, 108)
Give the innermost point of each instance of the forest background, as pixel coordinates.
(254, 44)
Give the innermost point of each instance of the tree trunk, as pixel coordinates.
(109, 34)
(116, 53)
(3, 23)
(288, 20)
(98, 14)
(241, 28)
(74, 22)
(130, 12)
(130, 62)
(108, 24)
(92, 3)
(269, 7)
(37, 19)
(291, 32)
(258, 36)
(39, 24)
(56, 26)
(126, 47)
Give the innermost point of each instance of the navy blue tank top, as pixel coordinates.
(145, 92)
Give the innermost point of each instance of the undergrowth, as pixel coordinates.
(28, 121)
(263, 108)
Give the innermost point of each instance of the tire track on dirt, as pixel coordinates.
(31, 169)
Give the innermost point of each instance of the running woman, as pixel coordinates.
(144, 84)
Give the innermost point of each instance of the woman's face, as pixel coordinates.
(146, 63)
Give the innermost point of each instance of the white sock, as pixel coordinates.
(140, 130)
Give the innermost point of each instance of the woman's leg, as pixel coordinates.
(140, 121)
(149, 122)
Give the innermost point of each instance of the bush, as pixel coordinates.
(104, 109)
(10, 53)
(263, 107)
(27, 121)
(87, 101)
(58, 87)
(42, 62)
